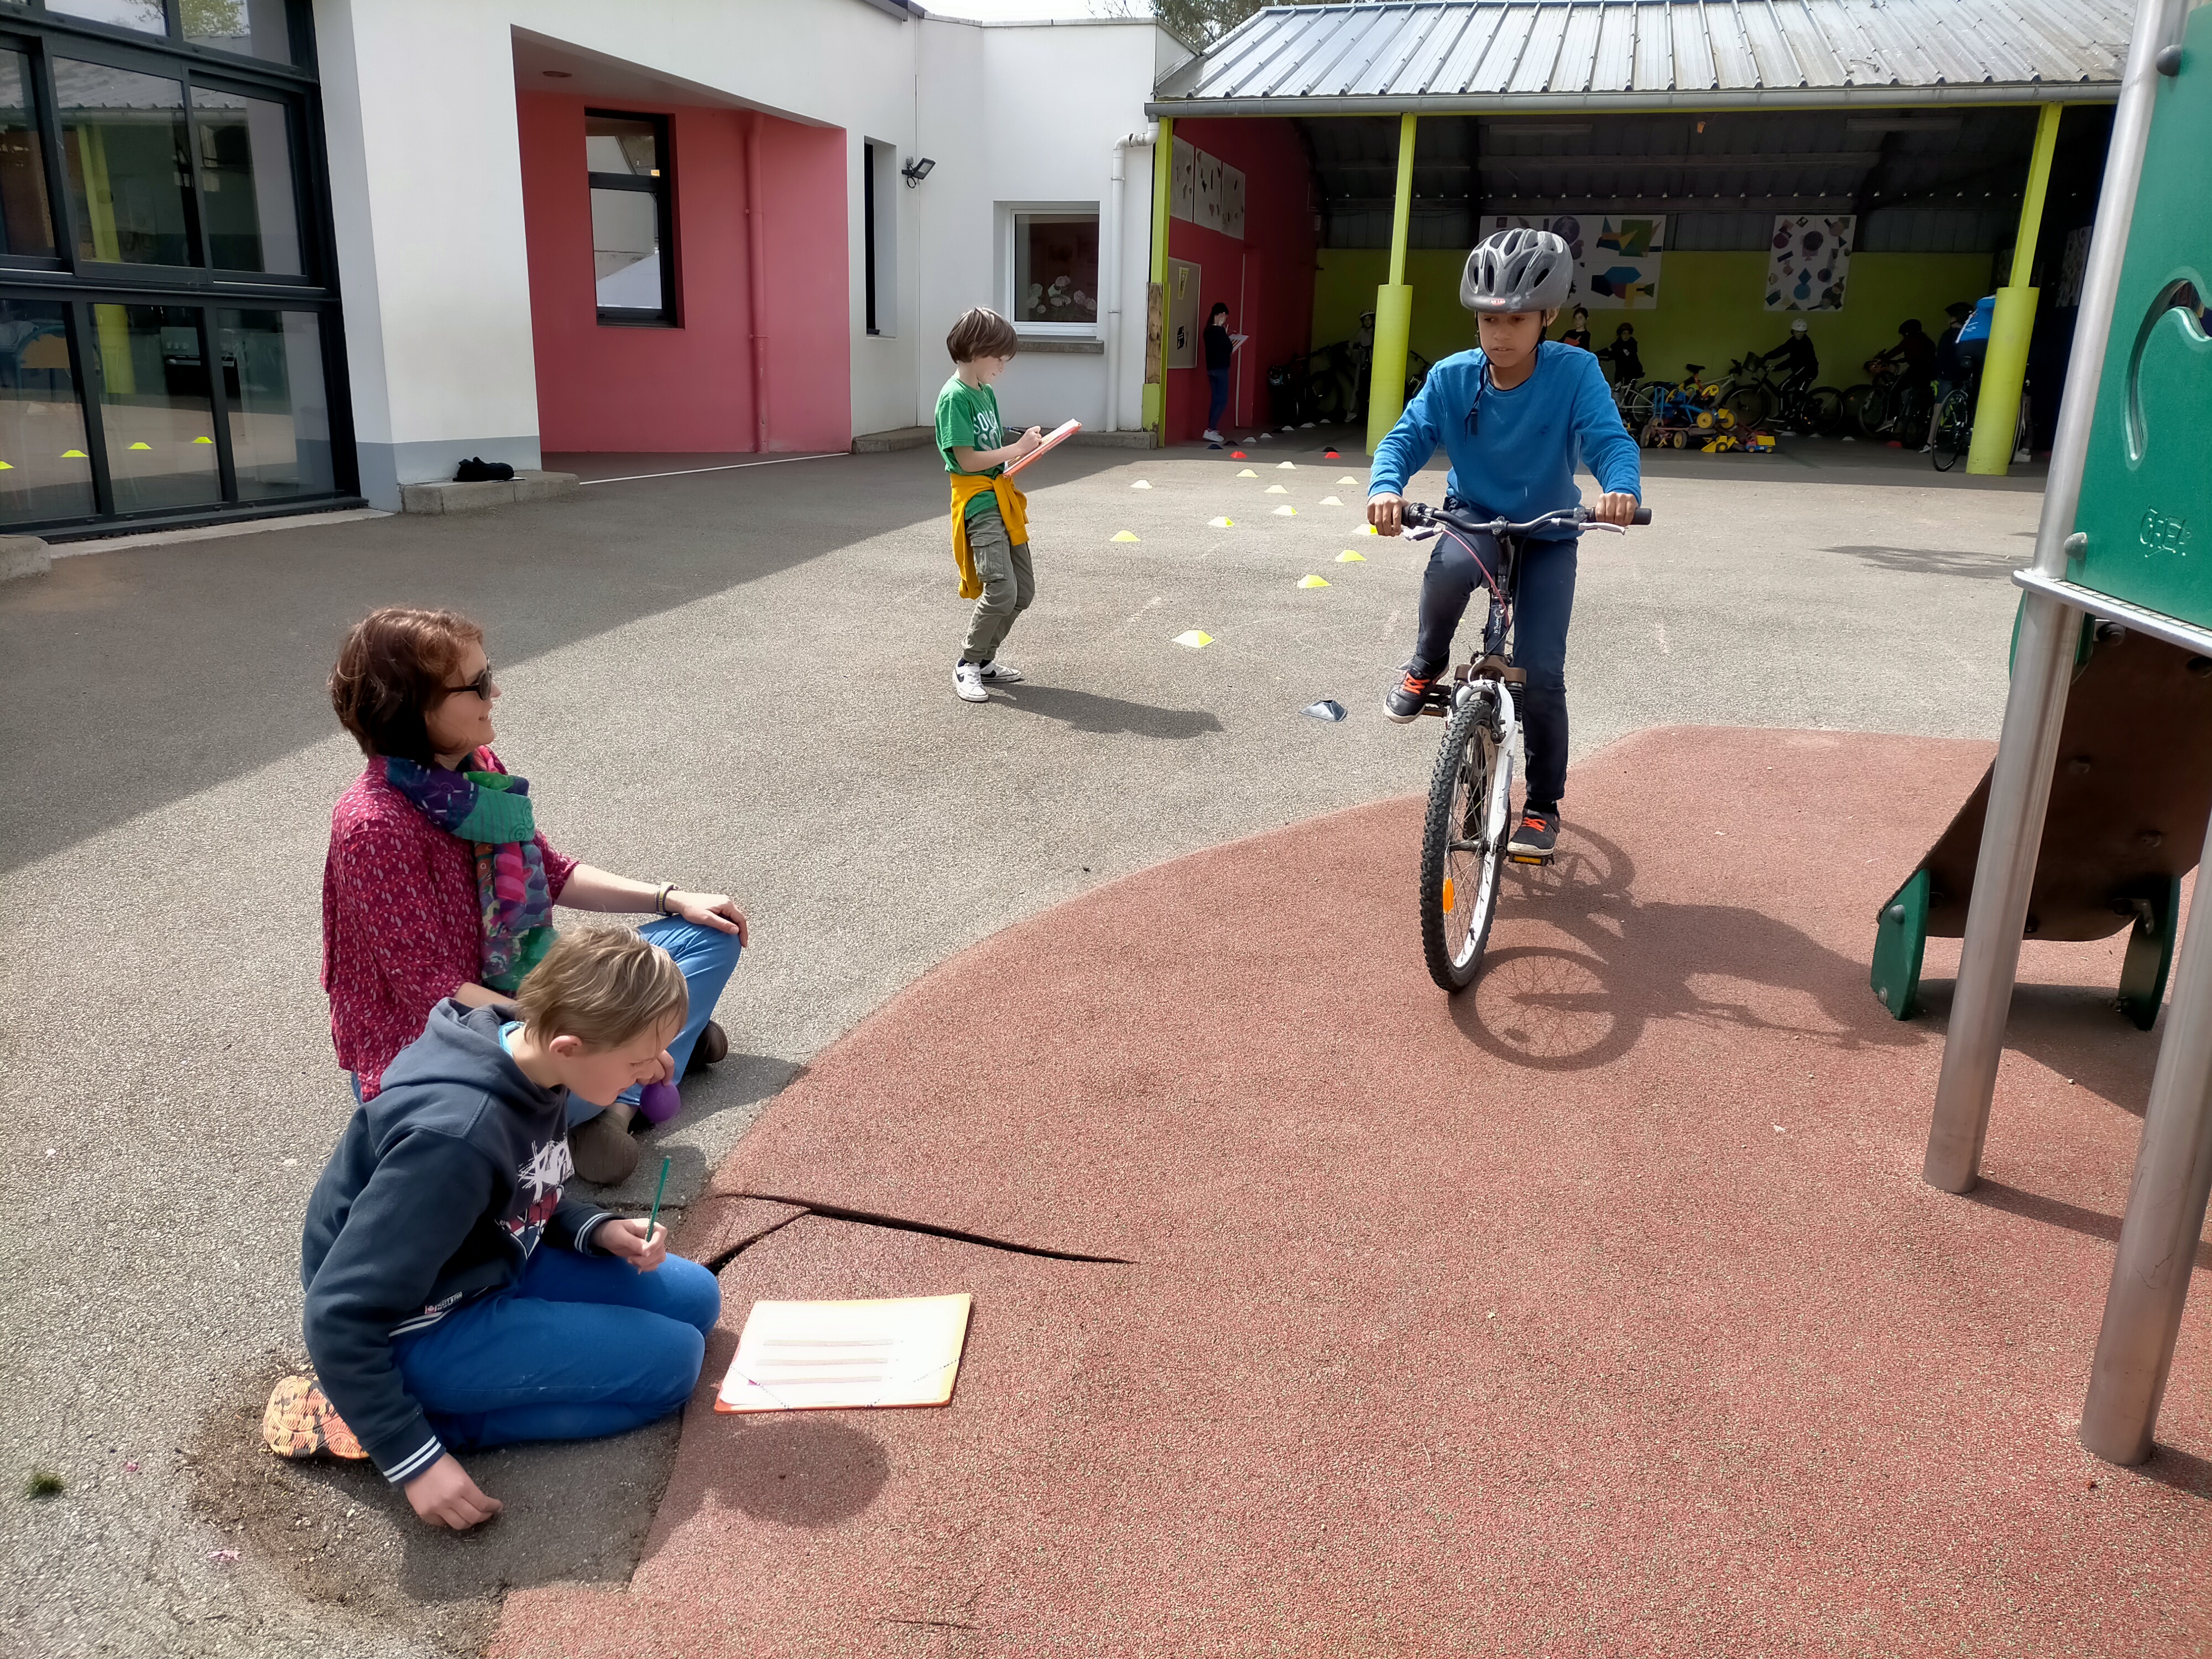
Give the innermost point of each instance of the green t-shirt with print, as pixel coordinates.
(968, 418)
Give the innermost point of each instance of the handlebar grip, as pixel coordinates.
(1642, 515)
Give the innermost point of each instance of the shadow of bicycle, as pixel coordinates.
(1578, 966)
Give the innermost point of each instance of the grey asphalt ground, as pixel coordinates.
(737, 679)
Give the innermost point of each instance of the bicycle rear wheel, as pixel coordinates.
(1824, 410)
(1954, 430)
(1463, 843)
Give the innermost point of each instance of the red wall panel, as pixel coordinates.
(690, 388)
(1267, 280)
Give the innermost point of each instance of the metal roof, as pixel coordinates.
(1465, 56)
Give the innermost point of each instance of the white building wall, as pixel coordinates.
(427, 192)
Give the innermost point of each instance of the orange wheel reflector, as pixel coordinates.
(1448, 892)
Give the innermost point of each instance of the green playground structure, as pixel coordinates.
(2098, 802)
(2129, 800)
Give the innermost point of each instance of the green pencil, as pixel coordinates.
(657, 1192)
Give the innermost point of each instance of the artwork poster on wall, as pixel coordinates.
(1808, 259)
(1205, 190)
(1621, 270)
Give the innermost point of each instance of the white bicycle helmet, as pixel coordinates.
(1517, 270)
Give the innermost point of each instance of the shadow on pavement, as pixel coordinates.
(1577, 966)
(136, 677)
(2057, 1213)
(1086, 711)
(1933, 562)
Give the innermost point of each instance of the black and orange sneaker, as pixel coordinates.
(299, 1422)
(1403, 701)
(1536, 837)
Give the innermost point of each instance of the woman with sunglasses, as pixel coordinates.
(438, 884)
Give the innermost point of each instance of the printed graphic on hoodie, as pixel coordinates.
(537, 1183)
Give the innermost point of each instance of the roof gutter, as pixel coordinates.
(1648, 103)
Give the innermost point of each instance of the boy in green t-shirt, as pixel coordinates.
(990, 533)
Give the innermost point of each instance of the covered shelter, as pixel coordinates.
(1952, 148)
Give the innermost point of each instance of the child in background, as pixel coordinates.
(454, 1297)
(1516, 415)
(1627, 358)
(990, 534)
(1579, 335)
(1219, 349)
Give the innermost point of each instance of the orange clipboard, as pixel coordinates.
(1059, 434)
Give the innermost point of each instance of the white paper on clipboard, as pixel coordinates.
(1058, 435)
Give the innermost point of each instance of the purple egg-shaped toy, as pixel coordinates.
(658, 1101)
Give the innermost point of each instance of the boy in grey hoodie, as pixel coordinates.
(455, 1297)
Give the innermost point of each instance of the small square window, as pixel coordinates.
(1055, 274)
(633, 257)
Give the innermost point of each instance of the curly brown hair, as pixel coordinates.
(391, 672)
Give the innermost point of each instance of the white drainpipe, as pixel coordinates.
(1109, 267)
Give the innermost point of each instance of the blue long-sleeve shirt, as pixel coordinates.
(1518, 461)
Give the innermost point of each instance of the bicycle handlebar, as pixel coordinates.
(1419, 514)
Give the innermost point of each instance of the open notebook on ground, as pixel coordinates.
(816, 1355)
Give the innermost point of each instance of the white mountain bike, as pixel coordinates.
(1470, 792)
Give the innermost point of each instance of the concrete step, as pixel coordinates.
(526, 485)
(23, 556)
(899, 437)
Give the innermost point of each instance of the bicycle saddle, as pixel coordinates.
(1695, 368)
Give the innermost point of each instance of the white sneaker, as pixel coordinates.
(1210, 436)
(967, 681)
(996, 672)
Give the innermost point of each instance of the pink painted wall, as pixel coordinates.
(690, 388)
(1273, 265)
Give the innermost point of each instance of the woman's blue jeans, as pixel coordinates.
(708, 956)
(1218, 384)
(577, 1348)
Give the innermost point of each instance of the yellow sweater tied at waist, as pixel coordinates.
(1011, 501)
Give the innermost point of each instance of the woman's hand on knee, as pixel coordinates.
(444, 1496)
(716, 910)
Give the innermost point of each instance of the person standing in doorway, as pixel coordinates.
(990, 533)
(1219, 349)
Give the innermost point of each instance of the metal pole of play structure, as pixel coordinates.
(2020, 781)
(2165, 1220)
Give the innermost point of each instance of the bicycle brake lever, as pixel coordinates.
(1420, 535)
(1599, 524)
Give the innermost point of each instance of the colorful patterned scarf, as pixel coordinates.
(491, 810)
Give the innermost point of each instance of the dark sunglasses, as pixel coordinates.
(481, 685)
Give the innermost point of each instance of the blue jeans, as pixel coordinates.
(1543, 604)
(1217, 379)
(578, 1348)
(708, 956)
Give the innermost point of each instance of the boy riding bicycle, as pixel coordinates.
(1514, 416)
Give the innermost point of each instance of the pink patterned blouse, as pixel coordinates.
(400, 928)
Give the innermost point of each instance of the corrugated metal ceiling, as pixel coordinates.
(1494, 55)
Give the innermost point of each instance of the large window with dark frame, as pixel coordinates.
(633, 235)
(169, 343)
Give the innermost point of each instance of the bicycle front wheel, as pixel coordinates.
(1463, 844)
(1954, 430)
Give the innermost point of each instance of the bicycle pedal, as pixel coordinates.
(1539, 860)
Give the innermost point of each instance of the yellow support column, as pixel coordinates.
(1394, 308)
(2004, 366)
(1156, 291)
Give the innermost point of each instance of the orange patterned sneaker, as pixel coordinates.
(299, 1422)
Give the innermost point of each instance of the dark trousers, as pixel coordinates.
(1218, 379)
(1543, 606)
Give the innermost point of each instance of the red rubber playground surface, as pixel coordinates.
(1600, 1311)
